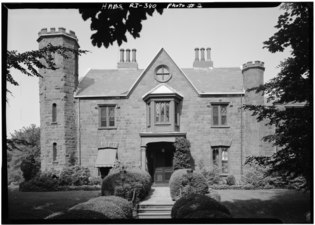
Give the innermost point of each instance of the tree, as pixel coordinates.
(112, 24)
(29, 62)
(293, 84)
(24, 153)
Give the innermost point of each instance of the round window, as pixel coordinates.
(162, 74)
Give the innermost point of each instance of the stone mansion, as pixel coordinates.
(134, 115)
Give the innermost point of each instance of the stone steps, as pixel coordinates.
(154, 211)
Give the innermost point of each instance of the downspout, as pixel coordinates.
(242, 127)
(79, 134)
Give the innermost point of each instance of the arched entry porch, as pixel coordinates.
(160, 161)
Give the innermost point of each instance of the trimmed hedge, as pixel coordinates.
(192, 203)
(45, 181)
(77, 215)
(207, 214)
(134, 179)
(74, 175)
(179, 180)
(230, 180)
(111, 206)
(182, 155)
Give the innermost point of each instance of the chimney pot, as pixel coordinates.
(127, 55)
(208, 54)
(122, 55)
(196, 54)
(134, 55)
(202, 58)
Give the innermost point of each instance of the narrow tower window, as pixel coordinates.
(54, 152)
(54, 113)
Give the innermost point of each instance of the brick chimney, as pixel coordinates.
(203, 63)
(128, 64)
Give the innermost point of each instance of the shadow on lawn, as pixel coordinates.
(288, 208)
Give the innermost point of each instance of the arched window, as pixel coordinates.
(54, 152)
(54, 113)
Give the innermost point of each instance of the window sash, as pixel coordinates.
(107, 116)
(54, 152)
(219, 115)
(54, 113)
(162, 111)
(220, 158)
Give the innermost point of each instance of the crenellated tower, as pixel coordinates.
(57, 103)
(253, 76)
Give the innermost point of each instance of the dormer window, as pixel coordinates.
(162, 74)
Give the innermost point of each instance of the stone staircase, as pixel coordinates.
(154, 211)
(158, 205)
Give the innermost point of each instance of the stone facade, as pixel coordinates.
(77, 130)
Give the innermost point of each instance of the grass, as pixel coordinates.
(287, 205)
(38, 205)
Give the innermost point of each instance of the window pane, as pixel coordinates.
(224, 154)
(215, 156)
(176, 111)
(162, 112)
(225, 167)
(167, 112)
(149, 112)
(54, 112)
(157, 112)
(111, 115)
(215, 110)
(54, 152)
(103, 117)
(223, 114)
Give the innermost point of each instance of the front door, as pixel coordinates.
(160, 161)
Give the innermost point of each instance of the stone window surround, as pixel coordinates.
(216, 104)
(99, 106)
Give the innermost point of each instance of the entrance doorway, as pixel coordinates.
(160, 161)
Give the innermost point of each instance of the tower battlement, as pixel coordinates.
(253, 64)
(53, 32)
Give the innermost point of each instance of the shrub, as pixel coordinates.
(113, 208)
(212, 176)
(182, 156)
(180, 179)
(196, 202)
(134, 180)
(206, 214)
(95, 180)
(230, 180)
(74, 175)
(214, 194)
(46, 181)
(77, 215)
(30, 167)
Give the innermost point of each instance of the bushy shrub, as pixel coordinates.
(46, 181)
(297, 183)
(29, 167)
(112, 208)
(180, 179)
(78, 215)
(206, 214)
(190, 204)
(214, 194)
(134, 180)
(182, 155)
(74, 175)
(212, 175)
(230, 180)
(95, 180)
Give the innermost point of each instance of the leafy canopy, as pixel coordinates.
(111, 25)
(293, 84)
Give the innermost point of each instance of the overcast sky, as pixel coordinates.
(235, 36)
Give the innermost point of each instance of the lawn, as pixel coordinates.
(287, 205)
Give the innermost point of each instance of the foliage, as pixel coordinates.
(214, 194)
(24, 145)
(78, 215)
(189, 204)
(230, 180)
(293, 84)
(95, 180)
(182, 183)
(125, 182)
(182, 156)
(212, 175)
(46, 181)
(108, 206)
(29, 62)
(112, 25)
(206, 214)
(30, 167)
(74, 175)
